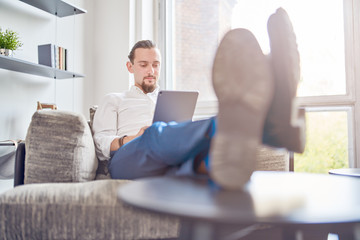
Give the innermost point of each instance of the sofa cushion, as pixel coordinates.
(92, 112)
(88, 210)
(59, 148)
(102, 171)
(272, 159)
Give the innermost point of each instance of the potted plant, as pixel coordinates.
(2, 43)
(9, 42)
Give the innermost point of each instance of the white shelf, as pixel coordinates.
(55, 7)
(17, 65)
(58, 8)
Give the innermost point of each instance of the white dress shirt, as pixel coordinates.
(122, 114)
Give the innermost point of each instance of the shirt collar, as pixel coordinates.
(152, 94)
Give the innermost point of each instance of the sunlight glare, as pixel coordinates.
(319, 27)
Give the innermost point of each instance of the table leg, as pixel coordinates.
(315, 236)
(344, 236)
(296, 234)
(196, 230)
(349, 233)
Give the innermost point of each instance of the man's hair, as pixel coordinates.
(140, 44)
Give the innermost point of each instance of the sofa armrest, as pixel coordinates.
(59, 148)
(19, 165)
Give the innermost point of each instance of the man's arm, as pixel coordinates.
(105, 125)
(115, 144)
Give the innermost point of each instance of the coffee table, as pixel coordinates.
(351, 172)
(297, 203)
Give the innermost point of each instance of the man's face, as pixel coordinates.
(146, 68)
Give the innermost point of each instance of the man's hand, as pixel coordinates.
(115, 143)
(141, 132)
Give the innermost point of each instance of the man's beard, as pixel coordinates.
(148, 88)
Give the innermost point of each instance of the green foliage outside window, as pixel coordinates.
(326, 143)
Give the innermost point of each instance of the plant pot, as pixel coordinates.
(6, 52)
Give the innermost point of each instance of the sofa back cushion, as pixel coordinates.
(272, 159)
(59, 148)
(102, 171)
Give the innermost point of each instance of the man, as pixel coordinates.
(122, 117)
(246, 84)
(133, 108)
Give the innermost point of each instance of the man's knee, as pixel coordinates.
(156, 127)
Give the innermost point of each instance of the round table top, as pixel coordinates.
(269, 197)
(352, 172)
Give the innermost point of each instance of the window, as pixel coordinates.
(328, 38)
(327, 144)
(193, 35)
(320, 38)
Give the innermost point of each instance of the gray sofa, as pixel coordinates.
(68, 194)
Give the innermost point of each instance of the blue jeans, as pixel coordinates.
(164, 148)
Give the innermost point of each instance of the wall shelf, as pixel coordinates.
(58, 8)
(22, 66)
(55, 7)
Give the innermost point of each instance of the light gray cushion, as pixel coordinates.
(88, 210)
(272, 159)
(92, 111)
(59, 148)
(102, 171)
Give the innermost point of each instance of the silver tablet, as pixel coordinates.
(176, 106)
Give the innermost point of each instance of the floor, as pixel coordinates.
(333, 237)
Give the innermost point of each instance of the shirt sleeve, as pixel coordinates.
(105, 126)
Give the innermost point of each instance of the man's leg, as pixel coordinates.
(161, 148)
(243, 83)
(285, 123)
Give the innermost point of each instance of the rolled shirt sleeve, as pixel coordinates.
(105, 127)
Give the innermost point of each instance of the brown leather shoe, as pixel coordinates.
(243, 83)
(285, 123)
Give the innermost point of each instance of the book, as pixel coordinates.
(60, 58)
(52, 56)
(66, 60)
(46, 55)
(63, 58)
(56, 54)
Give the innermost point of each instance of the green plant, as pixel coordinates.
(2, 40)
(9, 40)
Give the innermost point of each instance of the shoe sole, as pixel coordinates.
(285, 123)
(243, 83)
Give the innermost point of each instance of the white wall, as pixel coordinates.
(19, 92)
(111, 46)
(98, 44)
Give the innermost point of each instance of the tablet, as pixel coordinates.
(176, 106)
